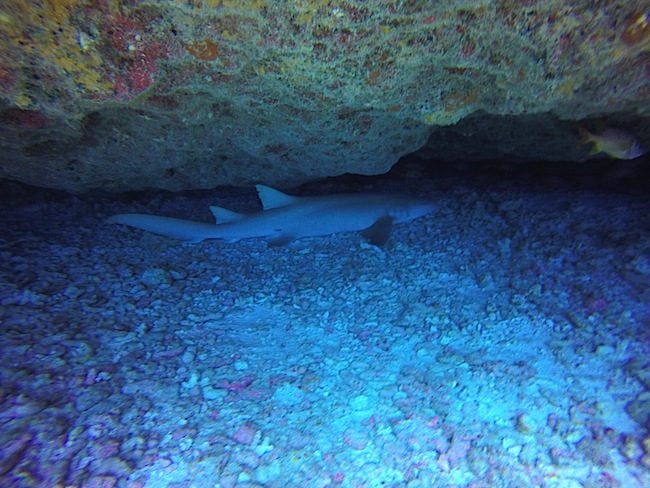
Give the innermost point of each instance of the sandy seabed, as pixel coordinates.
(501, 341)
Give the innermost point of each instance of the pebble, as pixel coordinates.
(360, 402)
(288, 395)
(113, 466)
(337, 381)
(263, 447)
(213, 394)
(240, 365)
(102, 481)
(245, 434)
(267, 474)
(246, 458)
(154, 277)
(356, 439)
(191, 381)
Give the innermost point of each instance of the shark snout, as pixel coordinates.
(413, 211)
(422, 209)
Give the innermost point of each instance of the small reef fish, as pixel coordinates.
(616, 143)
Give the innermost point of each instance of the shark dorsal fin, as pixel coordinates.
(223, 215)
(272, 198)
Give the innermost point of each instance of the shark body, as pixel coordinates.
(286, 217)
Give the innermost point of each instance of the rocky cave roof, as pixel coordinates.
(122, 95)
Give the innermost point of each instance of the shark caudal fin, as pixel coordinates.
(186, 230)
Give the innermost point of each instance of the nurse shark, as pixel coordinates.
(285, 218)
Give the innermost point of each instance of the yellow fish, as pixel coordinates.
(616, 143)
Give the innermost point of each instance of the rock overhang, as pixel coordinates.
(170, 95)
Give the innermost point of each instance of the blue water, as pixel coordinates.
(502, 340)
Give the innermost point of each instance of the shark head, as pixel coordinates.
(404, 208)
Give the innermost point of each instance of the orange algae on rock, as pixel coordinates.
(457, 99)
(637, 29)
(205, 50)
(236, 4)
(47, 35)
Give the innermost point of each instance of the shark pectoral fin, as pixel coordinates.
(280, 240)
(378, 233)
(223, 215)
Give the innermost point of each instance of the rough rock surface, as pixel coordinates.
(127, 95)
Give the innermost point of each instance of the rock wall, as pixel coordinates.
(125, 95)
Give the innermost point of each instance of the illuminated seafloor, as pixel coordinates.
(501, 341)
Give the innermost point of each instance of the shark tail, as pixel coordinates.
(186, 230)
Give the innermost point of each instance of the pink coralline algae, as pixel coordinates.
(27, 119)
(338, 478)
(245, 434)
(356, 439)
(236, 386)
